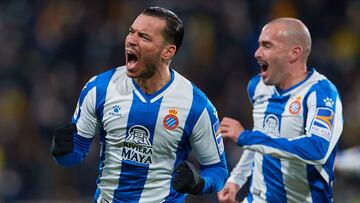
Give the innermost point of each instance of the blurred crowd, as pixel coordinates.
(50, 48)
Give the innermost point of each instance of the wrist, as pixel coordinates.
(241, 138)
(198, 187)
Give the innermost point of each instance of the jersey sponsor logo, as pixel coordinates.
(137, 146)
(271, 126)
(323, 123)
(218, 135)
(171, 120)
(115, 111)
(138, 134)
(295, 106)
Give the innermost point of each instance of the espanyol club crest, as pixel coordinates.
(171, 120)
(295, 106)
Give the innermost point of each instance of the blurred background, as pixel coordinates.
(50, 48)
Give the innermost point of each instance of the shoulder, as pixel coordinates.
(196, 92)
(252, 85)
(254, 81)
(100, 81)
(323, 92)
(324, 87)
(200, 99)
(107, 75)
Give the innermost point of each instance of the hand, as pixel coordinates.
(187, 179)
(231, 128)
(63, 140)
(228, 193)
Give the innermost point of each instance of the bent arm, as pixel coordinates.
(323, 127)
(214, 176)
(311, 150)
(80, 150)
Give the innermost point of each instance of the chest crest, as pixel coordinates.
(171, 120)
(295, 106)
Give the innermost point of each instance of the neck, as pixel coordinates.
(294, 77)
(156, 82)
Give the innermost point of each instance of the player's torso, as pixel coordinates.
(143, 129)
(142, 134)
(280, 116)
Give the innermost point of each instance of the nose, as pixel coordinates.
(258, 53)
(131, 39)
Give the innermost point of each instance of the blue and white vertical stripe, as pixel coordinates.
(294, 141)
(144, 137)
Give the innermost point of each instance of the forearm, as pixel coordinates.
(81, 148)
(241, 172)
(310, 149)
(214, 176)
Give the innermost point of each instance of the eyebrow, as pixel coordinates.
(265, 42)
(141, 33)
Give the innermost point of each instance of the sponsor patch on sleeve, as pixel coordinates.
(323, 123)
(218, 135)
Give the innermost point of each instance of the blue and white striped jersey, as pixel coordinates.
(291, 150)
(144, 137)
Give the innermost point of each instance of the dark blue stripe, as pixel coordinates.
(215, 175)
(275, 189)
(320, 190)
(250, 198)
(133, 174)
(96, 195)
(184, 147)
(102, 83)
(82, 96)
(252, 87)
(250, 195)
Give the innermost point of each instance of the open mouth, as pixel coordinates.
(131, 59)
(264, 67)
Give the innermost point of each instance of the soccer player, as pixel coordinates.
(289, 154)
(149, 118)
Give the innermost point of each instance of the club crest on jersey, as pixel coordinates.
(295, 106)
(271, 125)
(323, 123)
(171, 120)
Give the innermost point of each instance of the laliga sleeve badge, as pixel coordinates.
(295, 106)
(171, 120)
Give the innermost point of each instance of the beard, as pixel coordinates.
(148, 72)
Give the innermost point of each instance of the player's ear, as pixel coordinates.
(295, 53)
(168, 52)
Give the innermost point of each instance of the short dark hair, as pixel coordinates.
(174, 31)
